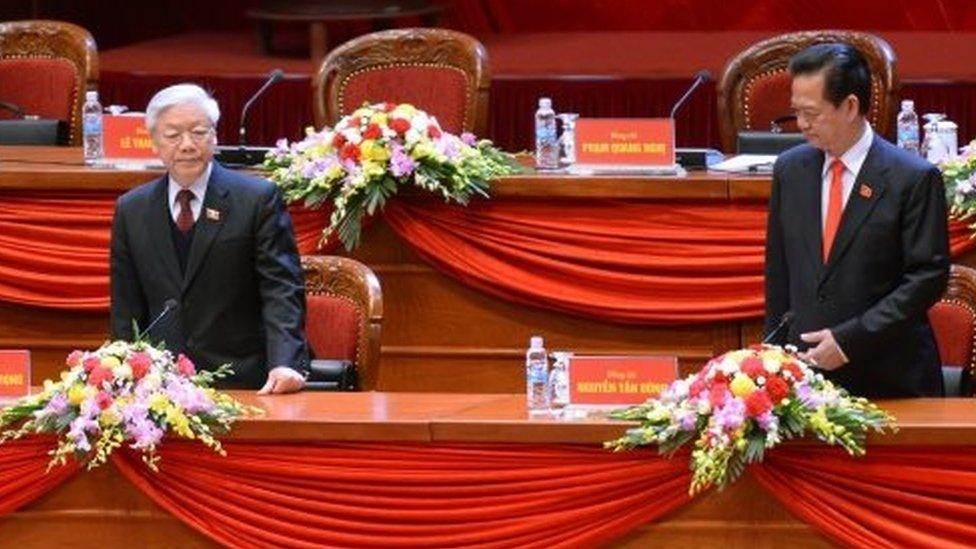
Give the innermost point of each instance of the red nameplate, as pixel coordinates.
(126, 137)
(625, 141)
(14, 373)
(618, 380)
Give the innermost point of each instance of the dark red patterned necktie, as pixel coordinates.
(184, 220)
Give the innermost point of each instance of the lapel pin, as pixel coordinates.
(214, 215)
(865, 191)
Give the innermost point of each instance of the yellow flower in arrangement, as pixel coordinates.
(378, 118)
(77, 394)
(179, 422)
(110, 416)
(371, 150)
(742, 385)
(159, 403)
(111, 362)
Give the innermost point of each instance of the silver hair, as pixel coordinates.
(181, 94)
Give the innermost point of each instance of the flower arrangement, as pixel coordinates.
(959, 175)
(124, 393)
(358, 164)
(744, 402)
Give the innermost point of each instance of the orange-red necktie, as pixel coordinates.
(835, 206)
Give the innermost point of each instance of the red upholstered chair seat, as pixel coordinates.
(953, 320)
(332, 327)
(46, 87)
(440, 71)
(344, 313)
(767, 97)
(439, 90)
(755, 86)
(953, 325)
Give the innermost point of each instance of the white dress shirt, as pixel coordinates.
(853, 159)
(199, 190)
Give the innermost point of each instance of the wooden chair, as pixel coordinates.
(755, 86)
(954, 320)
(345, 313)
(440, 71)
(46, 67)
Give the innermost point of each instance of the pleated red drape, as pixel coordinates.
(23, 472)
(624, 261)
(893, 497)
(394, 495)
(512, 495)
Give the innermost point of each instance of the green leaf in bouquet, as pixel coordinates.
(350, 228)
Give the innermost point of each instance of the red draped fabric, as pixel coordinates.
(394, 495)
(511, 495)
(893, 497)
(633, 261)
(23, 472)
(624, 261)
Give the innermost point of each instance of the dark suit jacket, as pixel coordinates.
(242, 296)
(889, 263)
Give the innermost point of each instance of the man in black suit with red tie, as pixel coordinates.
(217, 243)
(857, 240)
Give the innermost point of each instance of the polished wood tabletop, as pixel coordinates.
(445, 417)
(63, 168)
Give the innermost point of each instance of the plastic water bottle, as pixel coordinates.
(546, 143)
(536, 377)
(92, 128)
(559, 381)
(908, 127)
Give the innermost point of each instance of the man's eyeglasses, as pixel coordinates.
(175, 137)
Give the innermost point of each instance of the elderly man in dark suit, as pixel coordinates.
(856, 243)
(217, 243)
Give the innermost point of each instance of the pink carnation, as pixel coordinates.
(185, 366)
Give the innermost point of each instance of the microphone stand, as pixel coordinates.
(242, 155)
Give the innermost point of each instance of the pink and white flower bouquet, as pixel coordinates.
(362, 161)
(124, 393)
(744, 402)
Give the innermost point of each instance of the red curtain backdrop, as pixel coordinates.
(397, 495)
(623, 261)
(510, 495)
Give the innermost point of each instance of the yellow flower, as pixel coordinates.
(77, 394)
(335, 171)
(371, 150)
(741, 385)
(159, 403)
(110, 416)
(180, 423)
(403, 110)
(422, 149)
(373, 169)
(378, 118)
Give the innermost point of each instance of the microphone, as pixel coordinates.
(273, 77)
(241, 155)
(700, 77)
(168, 307)
(784, 323)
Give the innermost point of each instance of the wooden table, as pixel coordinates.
(101, 508)
(319, 14)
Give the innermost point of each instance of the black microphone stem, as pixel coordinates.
(273, 77)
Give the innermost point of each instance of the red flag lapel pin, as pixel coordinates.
(865, 191)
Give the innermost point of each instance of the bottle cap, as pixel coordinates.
(545, 103)
(91, 95)
(535, 342)
(907, 105)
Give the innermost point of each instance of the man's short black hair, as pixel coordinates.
(845, 72)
